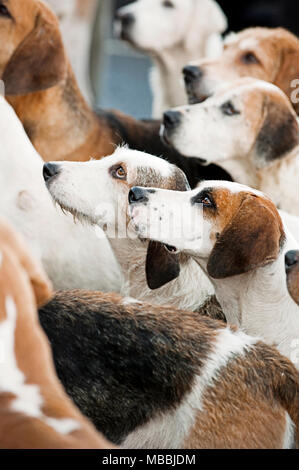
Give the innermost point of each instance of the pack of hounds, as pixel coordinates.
(160, 307)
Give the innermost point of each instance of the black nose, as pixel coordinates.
(50, 170)
(192, 73)
(291, 258)
(126, 19)
(172, 118)
(137, 195)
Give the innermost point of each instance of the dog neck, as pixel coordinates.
(181, 293)
(167, 76)
(259, 303)
(60, 123)
(278, 181)
(241, 170)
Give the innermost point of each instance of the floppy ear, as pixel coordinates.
(288, 73)
(161, 266)
(279, 133)
(39, 62)
(208, 19)
(251, 240)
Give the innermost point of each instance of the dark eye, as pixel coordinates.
(203, 198)
(4, 11)
(228, 109)
(250, 58)
(168, 4)
(118, 172)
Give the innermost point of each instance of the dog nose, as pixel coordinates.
(126, 19)
(50, 170)
(137, 195)
(192, 73)
(172, 118)
(291, 258)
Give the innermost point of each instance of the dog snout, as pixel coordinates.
(291, 258)
(137, 195)
(50, 170)
(171, 119)
(192, 73)
(126, 19)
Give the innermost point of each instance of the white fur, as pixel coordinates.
(73, 255)
(77, 34)
(289, 433)
(234, 147)
(169, 431)
(174, 37)
(90, 190)
(257, 301)
(28, 399)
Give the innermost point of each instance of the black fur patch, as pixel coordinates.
(124, 365)
(162, 267)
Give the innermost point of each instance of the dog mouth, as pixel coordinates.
(196, 99)
(164, 136)
(171, 249)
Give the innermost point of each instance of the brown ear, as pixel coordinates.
(39, 62)
(161, 266)
(252, 239)
(289, 68)
(279, 133)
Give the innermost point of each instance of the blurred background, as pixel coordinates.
(119, 75)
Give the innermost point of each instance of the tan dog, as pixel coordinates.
(267, 54)
(41, 86)
(249, 128)
(35, 411)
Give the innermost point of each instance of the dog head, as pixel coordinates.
(32, 56)
(292, 272)
(267, 54)
(229, 228)
(156, 25)
(97, 192)
(248, 120)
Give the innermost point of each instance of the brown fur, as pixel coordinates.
(277, 52)
(34, 358)
(293, 280)
(238, 250)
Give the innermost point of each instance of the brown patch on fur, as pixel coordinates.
(254, 388)
(293, 280)
(279, 131)
(39, 62)
(242, 246)
(18, 273)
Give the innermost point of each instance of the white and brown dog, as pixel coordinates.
(97, 191)
(173, 32)
(236, 235)
(267, 54)
(250, 129)
(73, 256)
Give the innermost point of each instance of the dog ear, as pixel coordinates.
(39, 62)
(279, 133)
(161, 266)
(252, 239)
(200, 29)
(288, 73)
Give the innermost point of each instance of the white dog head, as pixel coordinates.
(156, 25)
(248, 121)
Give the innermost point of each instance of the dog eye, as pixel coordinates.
(168, 4)
(250, 58)
(206, 201)
(4, 11)
(118, 172)
(228, 109)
